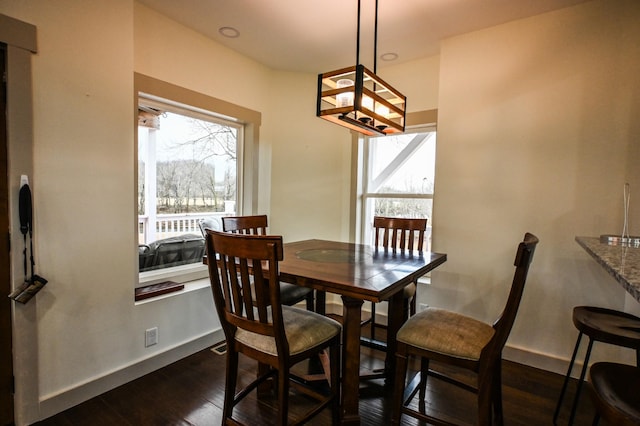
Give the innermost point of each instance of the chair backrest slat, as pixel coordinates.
(400, 233)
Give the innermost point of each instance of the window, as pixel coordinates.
(187, 172)
(200, 154)
(398, 178)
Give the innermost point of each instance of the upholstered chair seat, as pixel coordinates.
(304, 330)
(447, 333)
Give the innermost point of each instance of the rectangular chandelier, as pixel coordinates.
(356, 98)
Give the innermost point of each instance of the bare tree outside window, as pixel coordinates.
(196, 166)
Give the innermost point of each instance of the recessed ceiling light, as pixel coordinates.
(229, 32)
(389, 56)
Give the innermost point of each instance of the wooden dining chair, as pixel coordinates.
(258, 325)
(460, 341)
(401, 236)
(257, 225)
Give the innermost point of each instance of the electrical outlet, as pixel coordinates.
(423, 306)
(150, 337)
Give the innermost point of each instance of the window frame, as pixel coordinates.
(366, 195)
(174, 96)
(417, 121)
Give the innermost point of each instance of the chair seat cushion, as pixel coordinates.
(291, 294)
(446, 332)
(304, 330)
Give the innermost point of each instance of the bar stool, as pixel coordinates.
(616, 393)
(602, 325)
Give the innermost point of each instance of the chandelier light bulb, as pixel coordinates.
(367, 102)
(382, 110)
(344, 99)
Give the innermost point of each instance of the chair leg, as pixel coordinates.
(422, 390)
(265, 388)
(566, 379)
(283, 397)
(486, 391)
(580, 382)
(406, 309)
(497, 394)
(230, 385)
(373, 321)
(412, 306)
(310, 299)
(334, 354)
(321, 299)
(398, 385)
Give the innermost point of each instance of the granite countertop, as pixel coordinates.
(623, 263)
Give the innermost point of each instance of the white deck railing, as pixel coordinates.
(171, 225)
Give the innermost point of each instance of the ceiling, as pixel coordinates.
(320, 35)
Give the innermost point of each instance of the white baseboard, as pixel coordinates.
(56, 403)
(540, 360)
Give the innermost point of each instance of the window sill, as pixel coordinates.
(189, 287)
(155, 290)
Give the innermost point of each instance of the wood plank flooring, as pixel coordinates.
(191, 391)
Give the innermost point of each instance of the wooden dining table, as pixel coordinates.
(357, 273)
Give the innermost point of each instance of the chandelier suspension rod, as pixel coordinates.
(358, 37)
(375, 42)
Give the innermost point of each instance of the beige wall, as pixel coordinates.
(310, 165)
(536, 132)
(418, 80)
(536, 123)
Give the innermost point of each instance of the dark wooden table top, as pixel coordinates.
(354, 270)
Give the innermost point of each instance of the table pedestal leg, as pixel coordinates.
(351, 312)
(395, 318)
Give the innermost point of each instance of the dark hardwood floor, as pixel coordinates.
(190, 392)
